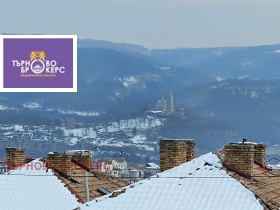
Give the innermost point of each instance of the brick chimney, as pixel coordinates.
(242, 156)
(15, 157)
(259, 154)
(82, 157)
(174, 152)
(60, 162)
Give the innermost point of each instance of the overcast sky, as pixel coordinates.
(151, 23)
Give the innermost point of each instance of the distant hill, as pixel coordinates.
(89, 43)
(260, 62)
(250, 107)
(112, 81)
(221, 94)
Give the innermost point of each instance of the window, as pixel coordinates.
(103, 191)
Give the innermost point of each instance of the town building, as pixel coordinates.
(119, 167)
(70, 124)
(165, 106)
(3, 165)
(113, 166)
(151, 169)
(161, 105)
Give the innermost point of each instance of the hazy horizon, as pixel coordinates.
(153, 24)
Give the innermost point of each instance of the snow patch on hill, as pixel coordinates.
(3, 107)
(116, 134)
(18, 128)
(80, 132)
(128, 81)
(138, 123)
(164, 68)
(138, 139)
(79, 113)
(32, 105)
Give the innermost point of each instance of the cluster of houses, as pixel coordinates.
(234, 179)
(118, 167)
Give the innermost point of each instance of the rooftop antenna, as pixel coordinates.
(86, 186)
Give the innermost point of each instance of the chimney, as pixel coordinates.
(259, 154)
(15, 157)
(174, 152)
(240, 157)
(60, 162)
(82, 157)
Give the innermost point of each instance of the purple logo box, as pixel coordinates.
(35, 64)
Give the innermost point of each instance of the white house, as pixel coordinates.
(151, 169)
(113, 166)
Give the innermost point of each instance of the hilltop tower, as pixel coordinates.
(169, 107)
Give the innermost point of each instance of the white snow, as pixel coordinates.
(74, 140)
(138, 139)
(80, 132)
(18, 128)
(109, 134)
(153, 166)
(32, 105)
(127, 81)
(219, 79)
(198, 185)
(79, 113)
(155, 111)
(276, 51)
(165, 68)
(32, 187)
(138, 123)
(80, 152)
(273, 167)
(247, 142)
(3, 107)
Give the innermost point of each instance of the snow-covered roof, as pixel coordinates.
(110, 160)
(32, 187)
(274, 167)
(79, 152)
(199, 184)
(247, 142)
(152, 166)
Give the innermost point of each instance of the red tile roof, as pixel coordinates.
(265, 184)
(75, 182)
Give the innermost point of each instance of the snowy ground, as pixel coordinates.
(116, 134)
(131, 132)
